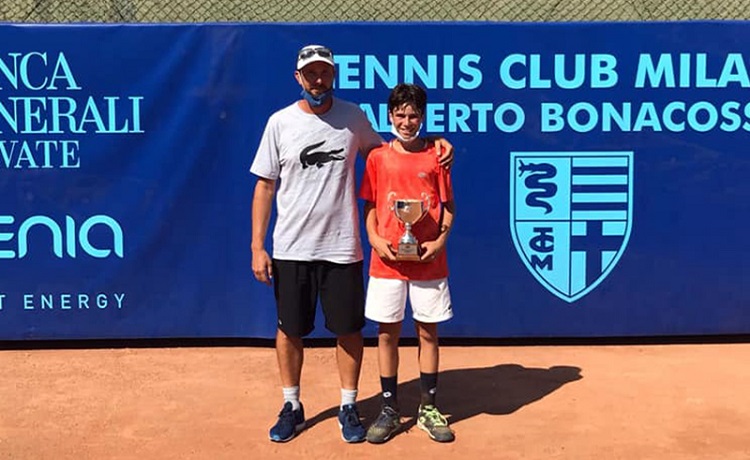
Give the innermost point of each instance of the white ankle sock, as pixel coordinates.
(348, 397)
(291, 394)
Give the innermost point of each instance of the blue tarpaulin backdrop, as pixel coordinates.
(125, 191)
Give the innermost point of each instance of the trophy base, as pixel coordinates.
(407, 252)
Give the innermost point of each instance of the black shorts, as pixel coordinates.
(297, 286)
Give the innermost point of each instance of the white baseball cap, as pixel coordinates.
(314, 53)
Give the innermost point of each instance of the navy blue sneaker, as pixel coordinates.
(290, 423)
(350, 424)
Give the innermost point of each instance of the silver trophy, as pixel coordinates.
(409, 212)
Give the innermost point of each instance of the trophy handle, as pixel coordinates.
(427, 199)
(391, 200)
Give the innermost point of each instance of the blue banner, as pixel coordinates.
(600, 174)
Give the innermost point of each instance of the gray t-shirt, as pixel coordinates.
(313, 158)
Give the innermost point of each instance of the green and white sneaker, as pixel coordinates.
(432, 421)
(385, 426)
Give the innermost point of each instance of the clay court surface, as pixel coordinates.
(506, 402)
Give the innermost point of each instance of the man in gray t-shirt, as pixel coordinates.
(310, 149)
(313, 156)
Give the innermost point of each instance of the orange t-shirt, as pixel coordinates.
(391, 174)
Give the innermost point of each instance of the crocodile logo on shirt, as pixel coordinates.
(310, 158)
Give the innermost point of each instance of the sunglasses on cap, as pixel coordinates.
(310, 52)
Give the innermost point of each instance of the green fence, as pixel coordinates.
(36, 11)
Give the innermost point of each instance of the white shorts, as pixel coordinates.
(386, 300)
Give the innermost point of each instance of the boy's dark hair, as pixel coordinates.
(410, 94)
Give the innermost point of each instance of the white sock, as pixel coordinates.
(348, 397)
(291, 394)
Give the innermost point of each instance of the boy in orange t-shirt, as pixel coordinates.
(407, 168)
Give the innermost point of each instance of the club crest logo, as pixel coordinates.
(571, 214)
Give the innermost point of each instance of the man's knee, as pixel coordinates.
(353, 341)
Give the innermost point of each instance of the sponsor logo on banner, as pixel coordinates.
(98, 236)
(571, 214)
(47, 115)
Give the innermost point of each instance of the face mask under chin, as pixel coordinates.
(320, 100)
(400, 137)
